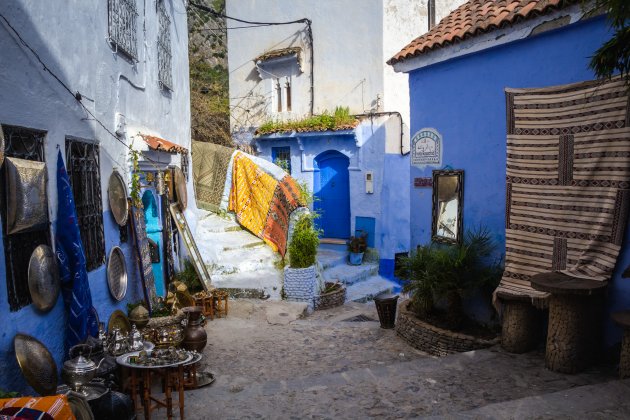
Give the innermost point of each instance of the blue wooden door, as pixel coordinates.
(332, 194)
(154, 233)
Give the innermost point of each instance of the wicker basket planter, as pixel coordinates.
(435, 340)
(331, 299)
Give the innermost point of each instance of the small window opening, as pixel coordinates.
(288, 89)
(278, 96)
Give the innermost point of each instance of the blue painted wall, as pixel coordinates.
(464, 100)
(50, 327)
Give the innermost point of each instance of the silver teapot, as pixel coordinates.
(117, 343)
(79, 371)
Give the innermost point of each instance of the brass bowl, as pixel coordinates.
(36, 363)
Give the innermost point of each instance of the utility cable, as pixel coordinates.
(76, 95)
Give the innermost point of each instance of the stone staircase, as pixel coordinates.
(362, 281)
(244, 265)
(236, 259)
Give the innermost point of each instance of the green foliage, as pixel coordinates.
(614, 55)
(306, 195)
(282, 163)
(339, 120)
(5, 394)
(136, 200)
(439, 271)
(304, 242)
(189, 277)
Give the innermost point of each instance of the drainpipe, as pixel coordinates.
(388, 113)
(309, 33)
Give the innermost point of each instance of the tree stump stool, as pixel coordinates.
(575, 319)
(521, 324)
(623, 320)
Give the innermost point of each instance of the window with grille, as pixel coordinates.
(122, 25)
(82, 163)
(26, 144)
(165, 75)
(281, 156)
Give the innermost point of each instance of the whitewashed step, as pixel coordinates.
(243, 260)
(268, 279)
(366, 290)
(329, 258)
(350, 274)
(215, 223)
(226, 240)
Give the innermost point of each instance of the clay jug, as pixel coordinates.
(195, 336)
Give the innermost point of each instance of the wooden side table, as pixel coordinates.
(622, 319)
(575, 319)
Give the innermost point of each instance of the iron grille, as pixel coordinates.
(122, 25)
(165, 74)
(26, 144)
(281, 156)
(82, 161)
(185, 163)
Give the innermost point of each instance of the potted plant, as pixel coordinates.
(356, 247)
(300, 275)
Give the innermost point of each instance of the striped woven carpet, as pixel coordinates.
(568, 173)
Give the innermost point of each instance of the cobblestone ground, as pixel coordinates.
(268, 364)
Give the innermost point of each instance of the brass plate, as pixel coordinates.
(118, 319)
(26, 185)
(37, 364)
(117, 274)
(117, 195)
(43, 278)
(183, 300)
(180, 188)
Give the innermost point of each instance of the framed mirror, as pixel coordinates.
(448, 195)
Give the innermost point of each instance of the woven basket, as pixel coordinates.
(330, 299)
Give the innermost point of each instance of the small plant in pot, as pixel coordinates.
(300, 275)
(356, 247)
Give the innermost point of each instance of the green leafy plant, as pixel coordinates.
(136, 200)
(304, 242)
(450, 272)
(357, 244)
(340, 119)
(189, 277)
(6, 394)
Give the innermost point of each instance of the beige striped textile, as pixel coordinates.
(568, 182)
(210, 166)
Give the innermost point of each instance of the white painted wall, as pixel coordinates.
(70, 36)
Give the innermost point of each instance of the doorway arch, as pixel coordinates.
(331, 188)
(154, 233)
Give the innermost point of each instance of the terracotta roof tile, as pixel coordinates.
(269, 55)
(156, 143)
(474, 18)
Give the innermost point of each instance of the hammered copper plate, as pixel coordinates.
(37, 364)
(117, 195)
(180, 188)
(118, 319)
(27, 207)
(43, 278)
(117, 274)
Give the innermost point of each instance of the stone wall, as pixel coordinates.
(434, 340)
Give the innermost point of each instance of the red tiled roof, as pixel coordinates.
(474, 18)
(156, 143)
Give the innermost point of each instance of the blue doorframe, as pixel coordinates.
(154, 232)
(331, 188)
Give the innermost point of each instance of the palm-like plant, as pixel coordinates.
(449, 272)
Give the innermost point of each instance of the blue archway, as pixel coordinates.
(154, 233)
(331, 188)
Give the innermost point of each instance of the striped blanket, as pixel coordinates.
(210, 167)
(568, 182)
(261, 202)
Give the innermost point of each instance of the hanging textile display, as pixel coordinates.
(82, 319)
(210, 168)
(167, 234)
(141, 241)
(568, 182)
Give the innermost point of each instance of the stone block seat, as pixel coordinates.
(575, 320)
(521, 323)
(622, 319)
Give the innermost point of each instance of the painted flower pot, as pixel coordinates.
(299, 283)
(355, 258)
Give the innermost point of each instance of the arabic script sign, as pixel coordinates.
(426, 148)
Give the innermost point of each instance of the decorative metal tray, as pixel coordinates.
(37, 364)
(180, 188)
(43, 278)
(117, 274)
(117, 195)
(195, 358)
(118, 319)
(26, 185)
(1, 145)
(127, 360)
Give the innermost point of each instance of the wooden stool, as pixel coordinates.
(220, 303)
(206, 304)
(622, 319)
(575, 320)
(521, 324)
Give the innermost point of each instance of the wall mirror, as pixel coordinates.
(448, 194)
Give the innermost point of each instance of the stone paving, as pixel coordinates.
(270, 363)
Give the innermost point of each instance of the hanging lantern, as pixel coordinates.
(159, 185)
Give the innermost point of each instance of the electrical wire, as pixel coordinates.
(77, 95)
